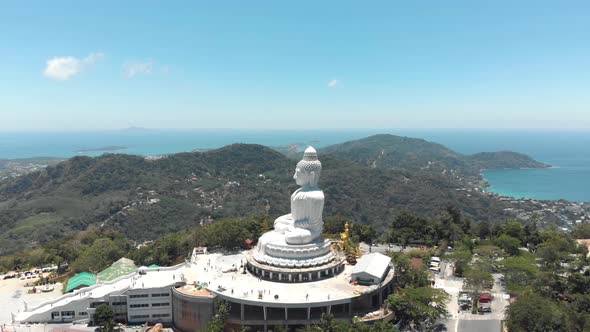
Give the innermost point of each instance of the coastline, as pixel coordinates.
(102, 149)
(537, 186)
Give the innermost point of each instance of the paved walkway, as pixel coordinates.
(14, 294)
(479, 325)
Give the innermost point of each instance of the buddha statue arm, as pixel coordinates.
(307, 206)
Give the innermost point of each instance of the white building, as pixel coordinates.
(138, 297)
(371, 269)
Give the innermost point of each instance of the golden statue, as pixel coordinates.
(346, 244)
(346, 234)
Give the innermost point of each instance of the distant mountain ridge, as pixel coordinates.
(414, 154)
(504, 159)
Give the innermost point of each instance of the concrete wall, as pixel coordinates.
(191, 313)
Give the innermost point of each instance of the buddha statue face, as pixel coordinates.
(304, 178)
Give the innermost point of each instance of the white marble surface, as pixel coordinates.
(297, 235)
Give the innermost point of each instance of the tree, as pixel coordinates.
(419, 308)
(335, 224)
(101, 254)
(483, 230)
(383, 327)
(577, 313)
(534, 313)
(515, 229)
(509, 244)
(278, 328)
(555, 249)
(459, 257)
(227, 233)
(217, 322)
(488, 255)
(532, 235)
(365, 233)
(451, 226)
(549, 284)
(581, 231)
(519, 273)
(103, 317)
(408, 228)
(408, 276)
(329, 324)
(38, 257)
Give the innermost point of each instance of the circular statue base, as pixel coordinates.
(296, 274)
(273, 250)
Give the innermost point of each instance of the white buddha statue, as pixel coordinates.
(304, 224)
(296, 239)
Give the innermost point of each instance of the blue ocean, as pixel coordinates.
(567, 151)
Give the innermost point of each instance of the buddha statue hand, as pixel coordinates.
(302, 232)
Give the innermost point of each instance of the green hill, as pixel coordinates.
(418, 155)
(503, 159)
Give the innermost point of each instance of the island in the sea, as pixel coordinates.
(104, 148)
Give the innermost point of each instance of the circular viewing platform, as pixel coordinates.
(296, 274)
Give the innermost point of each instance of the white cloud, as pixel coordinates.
(130, 70)
(333, 83)
(64, 68)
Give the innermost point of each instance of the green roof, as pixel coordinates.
(119, 268)
(154, 266)
(80, 279)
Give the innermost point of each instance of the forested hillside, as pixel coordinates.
(413, 154)
(146, 199)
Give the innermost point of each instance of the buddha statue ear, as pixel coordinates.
(312, 178)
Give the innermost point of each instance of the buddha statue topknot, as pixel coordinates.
(297, 236)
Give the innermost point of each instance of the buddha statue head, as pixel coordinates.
(307, 171)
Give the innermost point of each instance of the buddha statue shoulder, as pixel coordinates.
(304, 224)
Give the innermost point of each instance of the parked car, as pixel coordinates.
(485, 297)
(464, 301)
(485, 307)
(485, 303)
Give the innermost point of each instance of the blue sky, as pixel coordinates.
(294, 64)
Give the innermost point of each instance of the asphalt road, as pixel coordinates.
(384, 248)
(478, 325)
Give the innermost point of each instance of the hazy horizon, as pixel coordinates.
(360, 129)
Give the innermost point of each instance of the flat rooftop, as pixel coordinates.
(194, 291)
(157, 277)
(154, 278)
(217, 271)
(220, 274)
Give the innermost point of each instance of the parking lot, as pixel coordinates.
(465, 320)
